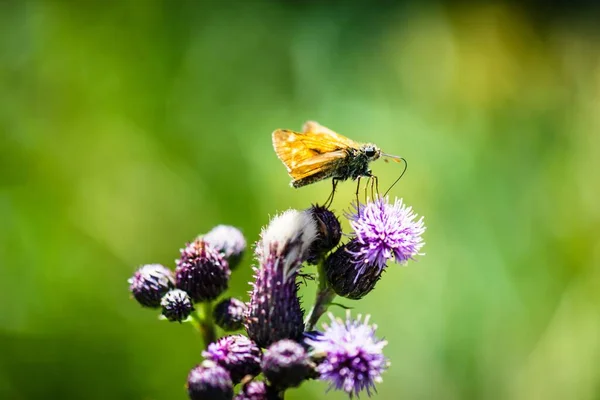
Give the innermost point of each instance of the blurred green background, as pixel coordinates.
(129, 127)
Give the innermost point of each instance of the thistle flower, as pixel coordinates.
(285, 364)
(385, 231)
(201, 271)
(150, 283)
(256, 390)
(274, 312)
(329, 232)
(229, 314)
(345, 278)
(209, 381)
(237, 354)
(229, 241)
(351, 357)
(176, 305)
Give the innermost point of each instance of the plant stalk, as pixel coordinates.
(323, 299)
(203, 321)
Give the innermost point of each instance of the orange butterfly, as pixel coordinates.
(319, 153)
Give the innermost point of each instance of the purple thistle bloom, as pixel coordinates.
(209, 381)
(351, 356)
(274, 311)
(385, 231)
(237, 354)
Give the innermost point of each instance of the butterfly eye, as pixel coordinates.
(370, 152)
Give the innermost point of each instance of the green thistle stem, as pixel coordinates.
(203, 321)
(323, 299)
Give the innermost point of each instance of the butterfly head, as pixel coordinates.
(371, 151)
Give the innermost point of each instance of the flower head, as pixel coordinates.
(229, 241)
(274, 311)
(344, 277)
(209, 381)
(286, 364)
(237, 354)
(351, 356)
(229, 314)
(176, 305)
(150, 283)
(385, 231)
(201, 271)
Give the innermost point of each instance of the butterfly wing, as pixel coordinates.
(317, 168)
(314, 126)
(317, 164)
(315, 130)
(312, 152)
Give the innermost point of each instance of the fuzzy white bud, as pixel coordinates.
(292, 232)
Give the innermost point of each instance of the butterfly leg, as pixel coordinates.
(369, 182)
(357, 190)
(329, 200)
(374, 187)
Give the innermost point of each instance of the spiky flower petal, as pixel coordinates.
(201, 271)
(237, 354)
(150, 283)
(385, 231)
(351, 357)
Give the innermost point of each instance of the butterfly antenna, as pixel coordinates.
(393, 157)
(401, 175)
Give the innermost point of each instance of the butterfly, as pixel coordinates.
(318, 153)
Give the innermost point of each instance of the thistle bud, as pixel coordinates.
(229, 314)
(329, 233)
(274, 311)
(237, 354)
(286, 364)
(348, 275)
(176, 305)
(201, 272)
(209, 381)
(257, 390)
(229, 241)
(150, 283)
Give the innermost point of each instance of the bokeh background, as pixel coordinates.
(129, 127)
